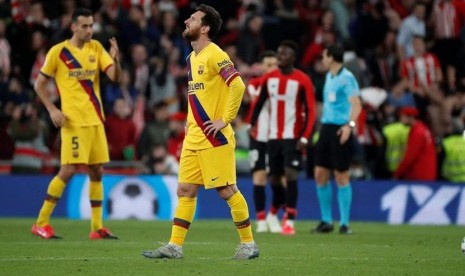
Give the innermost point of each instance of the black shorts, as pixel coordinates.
(329, 153)
(284, 153)
(257, 155)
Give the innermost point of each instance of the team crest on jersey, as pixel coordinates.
(91, 59)
(200, 69)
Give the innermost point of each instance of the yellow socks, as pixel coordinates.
(182, 219)
(96, 198)
(240, 215)
(54, 192)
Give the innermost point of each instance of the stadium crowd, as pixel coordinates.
(404, 53)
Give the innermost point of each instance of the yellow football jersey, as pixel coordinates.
(77, 76)
(209, 74)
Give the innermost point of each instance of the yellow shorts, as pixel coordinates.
(213, 167)
(84, 145)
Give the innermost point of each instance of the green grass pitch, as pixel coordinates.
(373, 249)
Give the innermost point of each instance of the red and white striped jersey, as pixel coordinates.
(260, 132)
(421, 70)
(448, 18)
(291, 103)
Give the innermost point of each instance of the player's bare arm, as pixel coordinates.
(114, 72)
(58, 117)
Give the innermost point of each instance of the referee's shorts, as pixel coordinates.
(329, 152)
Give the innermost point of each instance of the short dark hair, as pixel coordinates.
(291, 44)
(81, 12)
(336, 51)
(267, 53)
(211, 18)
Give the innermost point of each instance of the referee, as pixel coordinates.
(341, 107)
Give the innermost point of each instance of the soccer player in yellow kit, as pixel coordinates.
(215, 91)
(76, 64)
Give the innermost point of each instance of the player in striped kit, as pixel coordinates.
(258, 153)
(292, 114)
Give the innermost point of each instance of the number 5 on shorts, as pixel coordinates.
(74, 141)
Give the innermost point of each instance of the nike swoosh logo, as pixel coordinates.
(69, 61)
(215, 178)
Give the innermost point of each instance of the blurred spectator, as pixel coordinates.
(318, 74)
(286, 12)
(413, 25)
(355, 64)
(326, 25)
(28, 133)
(447, 18)
(61, 25)
(5, 51)
(112, 13)
(123, 90)
(454, 112)
(167, 6)
(16, 93)
(451, 158)
(342, 16)
(240, 65)
(162, 82)
(36, 20)
(144, 4)
(422, 75)
(160, 162)
(156, 131)
(310, 13)
(372, 27)
(369, 135)
(138, 115)
(323, 35)
(402, 7)
(7, 143)
(384, 65)
(140, 69)
(177, 126)
(419, 162)
(455, 73)
(120, 132)
(395, 143)
(39, 46)
(397, 98)
(250, 43)
(136, 29)
(36, 15)
(315, 50)
(241, 132)
(172, 32)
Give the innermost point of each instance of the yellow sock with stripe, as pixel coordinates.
(182, 219)
(240, 215)
(54, 192)
(96, 198)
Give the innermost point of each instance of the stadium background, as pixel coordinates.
(154, 99)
